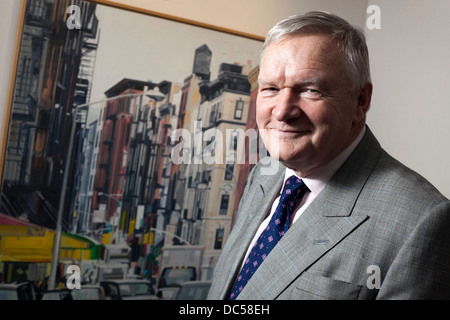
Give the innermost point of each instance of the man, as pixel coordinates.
(365, 226)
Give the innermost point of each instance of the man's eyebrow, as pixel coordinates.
(309, 81)
(298, 82)
(266, 82)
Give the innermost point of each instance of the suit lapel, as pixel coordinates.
(253, 213)
(325, 223)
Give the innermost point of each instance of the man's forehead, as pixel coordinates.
(317, 46)
(302, 52)
(302, 35)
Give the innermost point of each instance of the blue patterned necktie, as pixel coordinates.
(293, 191)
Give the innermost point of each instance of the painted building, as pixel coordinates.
(51, 82)
(253, 146)
(223, 116)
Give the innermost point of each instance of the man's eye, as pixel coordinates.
(311, 92)
(269, 90)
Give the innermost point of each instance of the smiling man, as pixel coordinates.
(341, 219)
(307, 103)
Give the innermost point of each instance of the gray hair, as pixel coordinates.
(351, 40)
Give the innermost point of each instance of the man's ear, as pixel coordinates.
(364, 99)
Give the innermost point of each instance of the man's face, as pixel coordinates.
(306, 111)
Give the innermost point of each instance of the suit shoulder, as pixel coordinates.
(397, 180)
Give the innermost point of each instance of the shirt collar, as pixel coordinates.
(319, 179)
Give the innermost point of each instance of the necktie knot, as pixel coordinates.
(292, 188)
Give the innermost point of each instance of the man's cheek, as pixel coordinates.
(263, 116)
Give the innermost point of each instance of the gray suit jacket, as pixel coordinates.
(377, 231)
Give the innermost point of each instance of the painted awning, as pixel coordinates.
(23, 241)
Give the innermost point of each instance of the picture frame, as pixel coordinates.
(100, 94)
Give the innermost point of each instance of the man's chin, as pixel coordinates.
(287, 160)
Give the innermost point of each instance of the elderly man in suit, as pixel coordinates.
(362, 226)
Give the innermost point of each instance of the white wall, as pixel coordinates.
(409, 58)
(410, 61)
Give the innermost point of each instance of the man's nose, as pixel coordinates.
(287, 105)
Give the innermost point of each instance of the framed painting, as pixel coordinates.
(113, 115)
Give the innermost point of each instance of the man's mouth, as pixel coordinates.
(287, 131)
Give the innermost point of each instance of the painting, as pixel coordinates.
(113, 116)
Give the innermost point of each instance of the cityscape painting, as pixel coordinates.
(131, 133)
